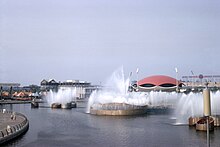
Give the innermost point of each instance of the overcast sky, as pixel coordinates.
(89, 39)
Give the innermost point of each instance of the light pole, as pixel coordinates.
(137, 71)
(192, 78)
(129, 82)
(177, 84)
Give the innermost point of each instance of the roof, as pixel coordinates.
(158, 80)
(10, 84)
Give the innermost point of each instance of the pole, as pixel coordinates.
(137, 71)
(208, 139)
(192, 78)
(1, 93)
(129, 83)
(207, 110)
(177, 86)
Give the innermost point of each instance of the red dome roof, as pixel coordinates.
(158, 80)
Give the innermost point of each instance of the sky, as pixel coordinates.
(89, 39)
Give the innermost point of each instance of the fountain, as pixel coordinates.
(64, 98)
(190, 108)
(34, 104)
(161, 100)
(114, 98)
(188, 105)
(201, 124)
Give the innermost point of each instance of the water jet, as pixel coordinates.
(115, 98)
(64, 98)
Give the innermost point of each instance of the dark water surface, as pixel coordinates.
(70, 128)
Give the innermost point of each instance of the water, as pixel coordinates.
(165, 99)
(59, 127)
(186, 105)
(75, 127)
(192, 105)
(116, 91)
(63, 96)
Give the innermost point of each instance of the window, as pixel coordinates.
(147, 85)
(167, 85)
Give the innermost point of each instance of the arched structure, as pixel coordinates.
(158, 83)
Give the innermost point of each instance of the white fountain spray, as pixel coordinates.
(116, 91)
(164, 99)
(192, 105)
(63, 96)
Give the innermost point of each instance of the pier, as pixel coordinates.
(12, 125)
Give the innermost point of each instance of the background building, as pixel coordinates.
(158, 83)
(201, 80)
(50, 84)
(83, 88)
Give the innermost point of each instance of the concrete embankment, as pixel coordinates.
(18, 102)
(12, 125)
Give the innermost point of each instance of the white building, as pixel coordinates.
(83, 88)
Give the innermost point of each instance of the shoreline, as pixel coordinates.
(12, 125)
(18, 101)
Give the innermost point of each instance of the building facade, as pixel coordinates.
(157, 83)
(83, 88)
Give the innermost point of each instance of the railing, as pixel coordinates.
(12, 131)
